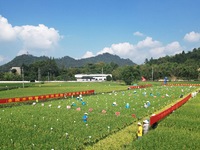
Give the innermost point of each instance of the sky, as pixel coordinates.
(132, 29)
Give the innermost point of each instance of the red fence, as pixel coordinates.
(140, 86)
(163, 114)
(43, 97)
(180, 84)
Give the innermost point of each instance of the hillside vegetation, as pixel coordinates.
(66, 61)
(184, 66)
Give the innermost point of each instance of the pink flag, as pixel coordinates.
(78, 109)
(117, 113)
(90, 110)
(103, 111)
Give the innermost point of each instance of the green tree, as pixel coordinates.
(117, 73)
(130, 74)
(1, 76)
(108, 78)
(11, 77)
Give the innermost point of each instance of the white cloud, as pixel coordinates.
(170, 49)
(2, 58)
(121, 49)
(106, 50)
(173, 48)
(138, 33)
(7, 33)
(148, 42)
(88, 54)
(35, 39)
(146, 48)
(192, 37)
(157, 52)
(22, 51)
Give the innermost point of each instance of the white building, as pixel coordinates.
(18, 70)
(91, 77)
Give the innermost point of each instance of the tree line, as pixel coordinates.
(184, 66)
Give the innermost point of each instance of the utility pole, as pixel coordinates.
(48, 76)
(23, 77)
(39, 74)
(152, 73)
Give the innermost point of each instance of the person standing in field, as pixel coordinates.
(145, 126)
(85, 117)
(139, 131)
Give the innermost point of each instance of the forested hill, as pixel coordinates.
(66, 61)
(190, 57)
(22, 59)
(184, 66)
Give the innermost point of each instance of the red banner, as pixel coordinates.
(181, 84)
(166, 112)
(139, 86)
(44, 97)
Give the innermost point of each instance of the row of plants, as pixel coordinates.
(180, 130)
(59, 125)
(60, 87)
(32, 89)
(11, 86)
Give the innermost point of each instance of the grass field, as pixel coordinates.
(60, 87)
(51, 125)
(32, 89)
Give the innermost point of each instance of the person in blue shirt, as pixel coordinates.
(85, 117)
(127, 105)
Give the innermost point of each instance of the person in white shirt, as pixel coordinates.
(145, 126)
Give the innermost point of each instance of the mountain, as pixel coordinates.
(106, 58)
(22, 59)
(66, 61)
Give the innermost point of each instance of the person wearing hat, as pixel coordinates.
(145, 126)
(139, 132)
(85, 117)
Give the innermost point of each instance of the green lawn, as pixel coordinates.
(52, 88)
(31, 89)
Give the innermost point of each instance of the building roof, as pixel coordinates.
(92, 75)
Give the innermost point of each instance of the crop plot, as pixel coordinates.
(59, 125)
(178, 131)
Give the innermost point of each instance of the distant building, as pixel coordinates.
(91, 77)
(18, 70)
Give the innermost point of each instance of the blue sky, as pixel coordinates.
(134, 29)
